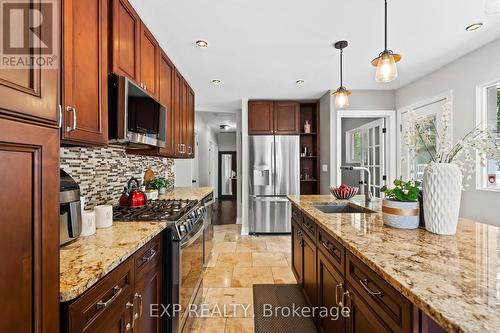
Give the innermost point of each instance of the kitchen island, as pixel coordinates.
(452, 279)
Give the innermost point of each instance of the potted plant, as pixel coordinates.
(400, 208)
(442, 181)
(159, 184)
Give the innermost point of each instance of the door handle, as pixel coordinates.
(116, 292)
(364, 283)
(73, 127)
(341, 287)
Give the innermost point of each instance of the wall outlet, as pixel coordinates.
(324, 167)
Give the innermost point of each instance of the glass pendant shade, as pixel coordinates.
(342, 99)
(387, 70)
(492, 6)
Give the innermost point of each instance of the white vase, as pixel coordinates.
(442, 190)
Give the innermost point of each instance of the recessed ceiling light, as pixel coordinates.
(202, 44)
(300, 82)
(216, 82)
(474, 27)
(224, 127)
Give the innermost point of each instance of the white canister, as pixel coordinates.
(88, 223)
(103, 216)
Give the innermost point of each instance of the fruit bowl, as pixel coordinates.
(344, 192)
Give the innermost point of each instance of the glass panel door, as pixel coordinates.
(373, 157)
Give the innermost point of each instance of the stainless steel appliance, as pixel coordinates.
(136, 119)
(70, 211)
(183, 263)
(274, 174)
(208, 233)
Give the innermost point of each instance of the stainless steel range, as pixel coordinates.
(183, 264)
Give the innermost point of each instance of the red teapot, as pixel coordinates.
(132, 196)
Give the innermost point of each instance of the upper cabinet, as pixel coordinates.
(268, 118)
(167, 71)
(31, 92)
(150, 54)
(126, 34)
(85, 70)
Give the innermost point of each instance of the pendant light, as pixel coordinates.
(341, 94)
(387, 70)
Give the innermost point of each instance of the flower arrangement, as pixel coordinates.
(424, 133)
(403, 191)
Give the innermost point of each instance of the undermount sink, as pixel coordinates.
(331, 208)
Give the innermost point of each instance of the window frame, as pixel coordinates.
(349, 139)
(482, 120)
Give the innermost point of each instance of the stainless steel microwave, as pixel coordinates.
(135, 118)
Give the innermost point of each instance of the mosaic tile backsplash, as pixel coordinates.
(103, 172)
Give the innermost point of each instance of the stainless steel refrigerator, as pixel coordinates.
(274, 174)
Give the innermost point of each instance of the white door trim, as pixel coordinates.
(447, 95)
(390, 117)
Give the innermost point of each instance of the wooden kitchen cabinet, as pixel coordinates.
(304, 262)
(126, 35)
(150, 54)
(191, 114)
(29, 220)
(268, 118)
(120, 301)
(297, 252)
(32, 93)
(167, 71)
(362, 318)
(85, 70)
(177, 116)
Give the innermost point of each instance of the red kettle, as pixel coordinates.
(134, 197)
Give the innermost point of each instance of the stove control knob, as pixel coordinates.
(182, 229)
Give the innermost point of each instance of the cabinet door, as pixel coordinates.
(148, 291)
(330, 294)
(119, 320)
(85, 83)
(286, 118)
(309, 269)
(150, 53)
(32, 92)
(261, 117)
(184, 118)
(297, 252)
(126, 36)
(362, 318)
(29, 220)
(177, 121)
(190, 124)
(167, 71)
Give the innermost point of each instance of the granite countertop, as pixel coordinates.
(88, 259)
(191, 193)
(453, 279)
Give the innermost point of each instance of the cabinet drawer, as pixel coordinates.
(309, 227)
(149, 255)
(297, 215)
(392, 307)
(107, 296)
(333, 250)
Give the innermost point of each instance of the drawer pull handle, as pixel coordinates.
(147, 258)
(364, 283)
(116, 292)
(341, 287)
(328, 245)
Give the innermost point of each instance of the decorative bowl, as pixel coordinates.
(344, 193)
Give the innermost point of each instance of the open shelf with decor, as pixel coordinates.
(309, 148)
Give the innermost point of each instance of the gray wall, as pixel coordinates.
(462, 76)
(351, 178)
(325, 111)
(227, 141)
(205, 135)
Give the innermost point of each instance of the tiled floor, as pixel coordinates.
(237, 263)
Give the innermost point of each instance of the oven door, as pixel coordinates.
(191, 270)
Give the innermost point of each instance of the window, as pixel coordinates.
(353, 149)
(488, 177)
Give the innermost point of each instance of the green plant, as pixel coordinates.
(403, 191)
(158, 183)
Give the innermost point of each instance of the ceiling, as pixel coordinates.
(260, 48)
(215, 119)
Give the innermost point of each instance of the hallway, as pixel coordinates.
(225, 211)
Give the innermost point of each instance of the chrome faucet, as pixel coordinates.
(368, 193)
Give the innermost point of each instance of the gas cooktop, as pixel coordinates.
(158, 210)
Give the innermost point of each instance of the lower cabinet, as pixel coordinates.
(332, 277)
(120, 301)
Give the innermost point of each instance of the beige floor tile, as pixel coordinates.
(239, 325)
(208, 325)
(224, 247)
(248, 276)
(269, 259)
(288, 257)
(227, 259)
(283, 275)
(213, 259)
(219, 236)
(230, 302)
(251, 245)
(218, 277)
(274, 246)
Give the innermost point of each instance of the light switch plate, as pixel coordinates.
(324, 167)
